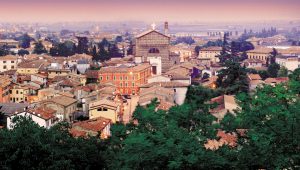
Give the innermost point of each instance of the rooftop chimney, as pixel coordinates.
(166, 28)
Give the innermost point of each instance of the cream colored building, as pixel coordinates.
(58, 72)
(107, 109)
(210, 53)
(289, 62)
(19, 94)
(65, 107)
(8, 62)
(260, 53)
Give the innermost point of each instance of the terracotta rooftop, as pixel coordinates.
(63, 100)
(254, 76)
(276, 80)
(104, 102)
(9, 57)
(124, 69)
(43, 112)
(4, 81)
(165, 84)
(95, 125)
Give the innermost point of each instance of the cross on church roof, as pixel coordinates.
(153, 25)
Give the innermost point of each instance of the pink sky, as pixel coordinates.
(148, 10)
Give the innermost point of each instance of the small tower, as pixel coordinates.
(166, 28)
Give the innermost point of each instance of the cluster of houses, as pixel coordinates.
(54, 89)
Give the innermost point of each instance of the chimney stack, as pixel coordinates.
(166, 28)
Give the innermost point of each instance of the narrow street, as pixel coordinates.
(129, 108)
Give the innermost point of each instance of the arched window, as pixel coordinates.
(153, 50)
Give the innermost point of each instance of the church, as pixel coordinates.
(154, 47)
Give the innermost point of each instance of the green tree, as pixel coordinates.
(273, 69)
(263, 74)
(39, 48)
(225, 53)
(283, 72)
(29, 146)
(233, 78)
(272, 119)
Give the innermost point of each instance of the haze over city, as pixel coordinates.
(150, 84)
(148, 10)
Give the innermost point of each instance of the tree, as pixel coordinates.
(233, 78)
(29, 146)
(272, 56)
(82, 45)
(95, 54)
(225, 53)
(113, 51)
(273, 69)
(63, 49)
(197, 50)
(118, 39)
(3, 51)
(23, 52)
(283, 72)
(39, 48)
(272, 119)
(263, 74)
(25, 41)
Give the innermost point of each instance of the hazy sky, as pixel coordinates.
(148, 10)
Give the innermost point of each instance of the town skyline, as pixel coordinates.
(149, 11)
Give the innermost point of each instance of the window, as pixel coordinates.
(121, 77)
(12, 67)
(114, 77)
(12, 61)
(101, 77)
(100, 109)
(126, 77)
(132, 84)
(104, 109)
(121, 84)
(153, 50)
(17, 91)
(4, 67)
(4, 61)
(125, 84)
(107, 78)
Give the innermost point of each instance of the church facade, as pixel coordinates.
(153, 45)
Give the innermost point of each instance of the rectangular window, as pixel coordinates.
(12, 61)
(99, 109)
(17, 92)
(121, 77)
(125, 84)
(101, 77)
(107, 78)
(114, 77)
(104, 109)
(132, 84)
(4, 67)
(12, 67)
(4, 61)
(121, 84)
(126, 77)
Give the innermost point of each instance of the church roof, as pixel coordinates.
(148, 32)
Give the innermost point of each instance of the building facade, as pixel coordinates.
(153, 44)
(126, 79)
(8, 63)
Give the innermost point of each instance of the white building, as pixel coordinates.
(44, 117)
(289, 62)
(8, 62)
